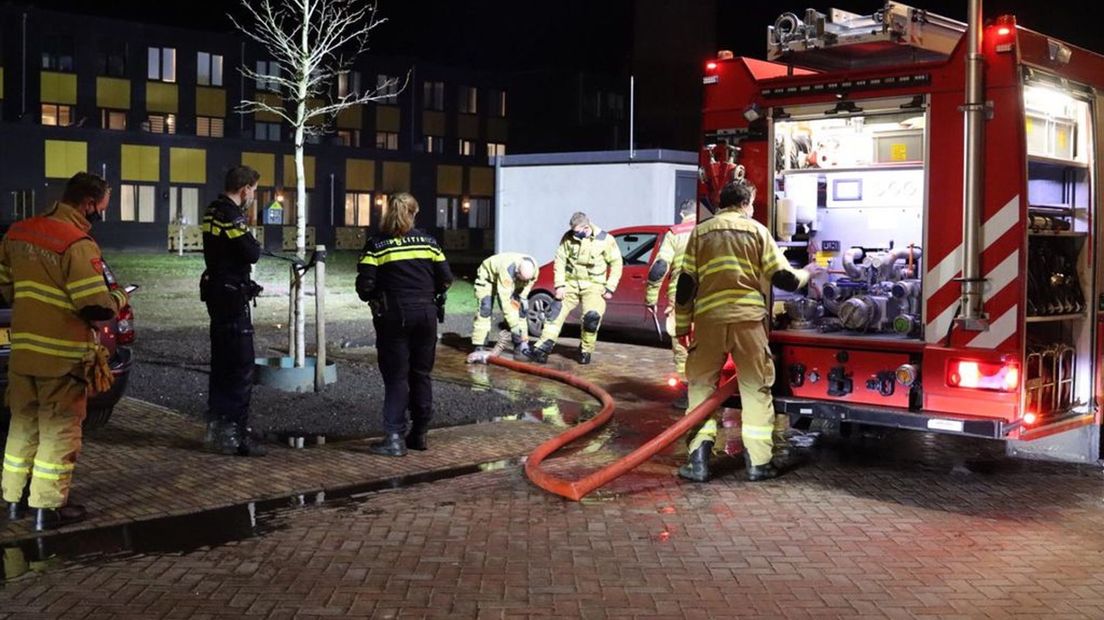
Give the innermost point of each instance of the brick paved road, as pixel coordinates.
(890, 528)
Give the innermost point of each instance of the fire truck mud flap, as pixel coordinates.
(797, 408)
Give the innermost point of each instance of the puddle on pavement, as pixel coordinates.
(187, 533)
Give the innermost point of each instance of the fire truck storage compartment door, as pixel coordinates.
(868, 374)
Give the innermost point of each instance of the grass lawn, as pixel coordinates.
(169, 295)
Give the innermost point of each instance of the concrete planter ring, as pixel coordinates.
(281, 373)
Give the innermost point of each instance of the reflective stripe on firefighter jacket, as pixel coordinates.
(499, 274)
(51, 272)
(730, 259)
(594, 260)
(669, 261)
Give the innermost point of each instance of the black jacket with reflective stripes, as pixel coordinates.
(406, 271)
(228, 246)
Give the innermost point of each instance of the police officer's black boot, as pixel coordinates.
(221, 438)
(539, 353)
(756, 473)
(50, 518)
(247, 445)
(584, 357)
(416, 438)
(393, 444)
(697, 464)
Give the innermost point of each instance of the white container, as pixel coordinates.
(786, 219)
(802, 189)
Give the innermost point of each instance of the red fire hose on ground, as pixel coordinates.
(577, 489)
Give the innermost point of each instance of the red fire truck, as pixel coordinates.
(946, 175)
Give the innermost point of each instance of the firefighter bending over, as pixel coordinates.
(52, 273)
(508, 277)
(587, 270)
(721, 310)
(669, 261)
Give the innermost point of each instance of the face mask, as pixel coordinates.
(580, 234)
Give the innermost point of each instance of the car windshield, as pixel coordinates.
(636, 248)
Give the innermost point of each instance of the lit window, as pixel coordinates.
(467, 147)
(209, 126)
(387, 140)
(208, 69)
(162, 64)
(57, 115)
(434, 144)
(348, 84)
(358, 209)
(160, 123)
(183, 205)
(113, 119)
(496, 149)
(448, 208)
(137, 203)
(349, 137)
(479, 213)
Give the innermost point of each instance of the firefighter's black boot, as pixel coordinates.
(416, 438)
(539, 353)
(50, 518)
(697, 464)
(756, 473)
(393, 444)
(16, 510)
(584, 358)
(682, 401)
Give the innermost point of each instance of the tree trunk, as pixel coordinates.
(300, 326)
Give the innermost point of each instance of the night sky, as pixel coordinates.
(595, 35)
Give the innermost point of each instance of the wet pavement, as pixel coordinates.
(876, 525)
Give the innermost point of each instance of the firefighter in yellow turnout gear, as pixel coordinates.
(51, 272)
(509, 277)
(669, 261)
(587, 271)
(722, 300)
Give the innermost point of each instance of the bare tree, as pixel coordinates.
(313, 43)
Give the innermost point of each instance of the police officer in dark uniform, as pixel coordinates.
(403, 275)
(228, 250)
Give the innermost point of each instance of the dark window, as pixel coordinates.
(434, 95)
(57, 53)
(111, 58)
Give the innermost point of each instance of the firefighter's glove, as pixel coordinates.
(97, 369)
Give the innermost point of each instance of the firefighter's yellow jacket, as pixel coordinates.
(594, 260)
(52, 274)
(730, 261)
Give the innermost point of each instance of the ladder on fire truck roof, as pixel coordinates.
(895, 35)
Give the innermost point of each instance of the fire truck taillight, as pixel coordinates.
(672, 381)
(997, 376)
(710, 66)
(1004, 31)
(1030, 418)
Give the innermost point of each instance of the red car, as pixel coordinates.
(639, 245)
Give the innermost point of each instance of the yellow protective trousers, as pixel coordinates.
(747, 342)
(44, 438)
(590, 316)
(677, 349)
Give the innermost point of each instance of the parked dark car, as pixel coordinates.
(115, 334)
